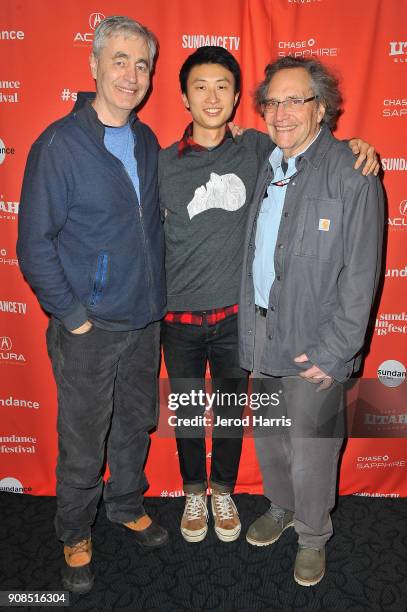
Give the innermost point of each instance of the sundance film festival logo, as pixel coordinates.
(398, 52)
(11, 35)
(394, 107)
(8, 354)
(8, 92)
(5, 150)
(12, 485)
(305, 48)
(391, 373)
(399, 222)
(391, 323)
(8, 209)
(87, 37)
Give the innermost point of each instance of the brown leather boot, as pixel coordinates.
(77, 575)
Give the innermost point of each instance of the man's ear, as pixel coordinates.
(93, 65)
(320, 112)
(185, 101)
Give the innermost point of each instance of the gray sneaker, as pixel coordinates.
(309, 568)
(269, 527)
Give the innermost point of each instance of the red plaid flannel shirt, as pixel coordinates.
(197, 318)
(187, 144)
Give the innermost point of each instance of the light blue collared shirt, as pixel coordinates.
(268, 224)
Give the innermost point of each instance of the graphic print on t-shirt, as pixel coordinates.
(225, 191)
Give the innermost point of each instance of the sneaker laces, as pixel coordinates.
(194, 506)
(224, 506)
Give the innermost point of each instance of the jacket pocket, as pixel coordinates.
(319, 232)
(100, 278)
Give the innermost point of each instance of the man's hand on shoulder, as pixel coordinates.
(236, 129)
(83, 328)
(366, 153)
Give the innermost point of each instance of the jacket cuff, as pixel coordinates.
(328, 363)
(76, 318)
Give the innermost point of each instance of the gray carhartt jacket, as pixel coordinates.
(327, 265)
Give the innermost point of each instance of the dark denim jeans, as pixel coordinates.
(187, 350)
(107, 404)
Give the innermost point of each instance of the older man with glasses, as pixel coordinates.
(310, 274)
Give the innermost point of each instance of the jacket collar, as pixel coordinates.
(318, 150)
(86, 113)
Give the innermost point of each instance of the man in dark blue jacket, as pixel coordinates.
(91, 246)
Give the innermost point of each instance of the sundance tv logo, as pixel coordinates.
(394, 164)
(86, 38)
(8, 354)
(398, 52)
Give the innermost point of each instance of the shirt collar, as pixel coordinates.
(187, 143)
(276, 157)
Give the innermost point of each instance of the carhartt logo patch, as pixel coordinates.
(324, 225)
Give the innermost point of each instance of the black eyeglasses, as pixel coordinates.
(289, 104)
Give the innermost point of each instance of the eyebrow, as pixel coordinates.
(121, 54)
(197, 80)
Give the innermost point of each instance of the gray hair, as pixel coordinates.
(324, 85)
(126, 26)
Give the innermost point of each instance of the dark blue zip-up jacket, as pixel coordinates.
(85, 245)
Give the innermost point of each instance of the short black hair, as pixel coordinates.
(210, 54)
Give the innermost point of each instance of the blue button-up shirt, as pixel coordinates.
(267, 229)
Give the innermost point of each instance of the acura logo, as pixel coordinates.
(95, 19)
(5, 343)
(403, 207)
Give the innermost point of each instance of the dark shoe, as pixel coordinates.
(268, 528)
(152, 536)
(309, 568)
(77, 575)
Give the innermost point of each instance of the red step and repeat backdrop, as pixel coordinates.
(44, 48)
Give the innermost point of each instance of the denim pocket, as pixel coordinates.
(100, 278)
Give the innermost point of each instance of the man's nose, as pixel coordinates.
(213, 94)
(281, 112)
(131, 74)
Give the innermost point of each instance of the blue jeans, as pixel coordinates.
(107, 404)
(187, 350)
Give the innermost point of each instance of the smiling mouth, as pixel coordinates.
(213, 111)
(125, 90)
(284, 128)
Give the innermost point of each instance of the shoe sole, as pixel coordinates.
(308, 583)
(144, 546)
(198, 537)
(269, 542)
(228, 538)
(75, 590)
